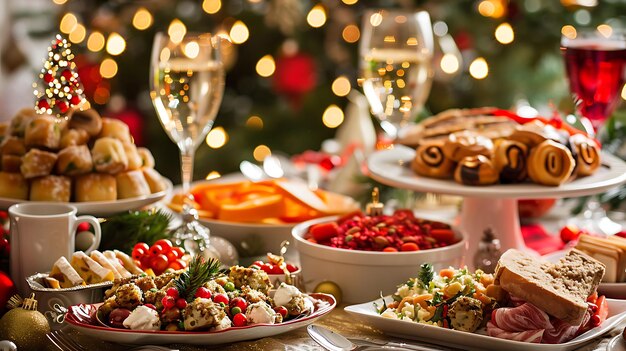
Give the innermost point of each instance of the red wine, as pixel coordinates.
(596, 71)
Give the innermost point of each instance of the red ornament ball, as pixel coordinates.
(75, 100)
(67, 74)
(63, 107)
(43, 104)
(48, 77)
(295, 74)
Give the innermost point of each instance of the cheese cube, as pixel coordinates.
(91, 271)
(65, 274)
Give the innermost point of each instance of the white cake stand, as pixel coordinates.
(492, 206)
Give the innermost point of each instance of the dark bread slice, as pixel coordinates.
(561, 289)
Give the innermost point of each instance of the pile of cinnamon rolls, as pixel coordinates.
(476, 147)
(82, 158)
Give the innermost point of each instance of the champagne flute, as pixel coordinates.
(595, 62)
(396, 51)
(186, 87)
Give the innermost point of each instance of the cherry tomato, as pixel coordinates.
(166, 245)
(144, 246)
(156, 249)
(173, 292)
(168, 302)
(570, 232)
(282, 310)
(177, 264)
(240, 320)
(138, 252)
(221, 298)
(172, 255)
(180, 250)
(390, 249)
(159, 263)
(291, 268)
(145, 261)
(239, 302)
(324, 231)
(203, 293)
(181, 303)
(409, 247)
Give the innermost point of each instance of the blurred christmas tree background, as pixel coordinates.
(290, 63)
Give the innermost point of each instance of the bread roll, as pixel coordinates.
(108, 156)
(131, 184)
(134, 160)
(37, 163)
(13, 146)
(88, 120)
(154, 179)
(430, 161)
(147, 160)
(476, 170)
(510, 159)
(50, 188)
(95, 187)
(114, 128)
(74, 160)
(463, 144)
(11, 163)
(531, 134)
(586, 153)
(20, 121)
(43, 131)
(13, 186)
(71, 137)
(550, 163)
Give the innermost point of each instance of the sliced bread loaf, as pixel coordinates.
(561, 289)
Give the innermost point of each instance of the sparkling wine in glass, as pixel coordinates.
(396, 51)
(596, 64)
(186, 86)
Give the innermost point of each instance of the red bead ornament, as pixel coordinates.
(43, 104)
(48, 77)
(63, 107)
(75, 100)
(67, 74)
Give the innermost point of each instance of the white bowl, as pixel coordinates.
(363, 275)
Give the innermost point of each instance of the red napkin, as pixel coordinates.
(538, 239)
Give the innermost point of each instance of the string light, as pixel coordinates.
(351, 33)
(142, 19)
(115, 44)
(261, 152)
(217, 138)
(239, 32)
(317, 16)
(332, 117)
(213, 175)
(266, 66)
(341, 86)
(108, 68)
(191, 49)
(569, 31)
(479, 68)
(504, 33)
(449, 63)
(211, 6)
(95, 42)
(176, 31)
(68, 23)
(254, 122)
(78, 34)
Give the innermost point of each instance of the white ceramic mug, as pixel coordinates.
(40, 234)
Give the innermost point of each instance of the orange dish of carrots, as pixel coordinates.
(266, 202)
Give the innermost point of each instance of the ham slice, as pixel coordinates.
(527, 323)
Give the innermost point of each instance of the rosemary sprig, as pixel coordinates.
(198, 273)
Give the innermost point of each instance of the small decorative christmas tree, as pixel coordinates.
(59, 87)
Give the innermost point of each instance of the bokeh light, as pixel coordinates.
(569, 31)
(341, 86)
(266, 66)
(605, 30)
(351, 33)
(624, 92)
(68, 23)
(449, 63)
(261, 152)
(176, 31)
(317, 16)
(108, 68)
(78, 34)
(211, 6)
(376, 19)
(142, 19)
(504, 33)
(213, 175)
(217, 138)
(350, 2)
(239, 32)
(479, 69)
(254, 122)
(333, 116)
(115, 44)
(95, 42)
(191, 49)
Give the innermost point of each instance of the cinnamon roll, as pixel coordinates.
(430, 161)
(462, 144)
(476, 170)
(550, 163)
(586, 153)
(531, 134)
(509, 159)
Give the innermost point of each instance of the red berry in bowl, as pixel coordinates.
(203, 293)
(221, 298)
(156, 249)
(165, 244)
(239, 302)
(240, 320)
(143, 246)
(181, 303)
(168, 302)
(173, 292)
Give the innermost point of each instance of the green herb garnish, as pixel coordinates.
(199, 272)
(426, 274)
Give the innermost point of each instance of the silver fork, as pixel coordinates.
(65, 342)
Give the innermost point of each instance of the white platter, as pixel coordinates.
(475, 341)
(106, 208)
(392, 167)
(611, 290)
(618, 343)
(82, 318)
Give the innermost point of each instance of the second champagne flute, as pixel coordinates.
(186, 87)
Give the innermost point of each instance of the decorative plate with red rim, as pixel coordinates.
(83, 318)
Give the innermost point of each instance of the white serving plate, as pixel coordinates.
(611, 290)
(618, 343)
(82, 318)
(106, 208)
(392, 167)
(476, 341)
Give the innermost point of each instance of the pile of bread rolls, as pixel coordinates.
(81, 158)
(498, 150)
